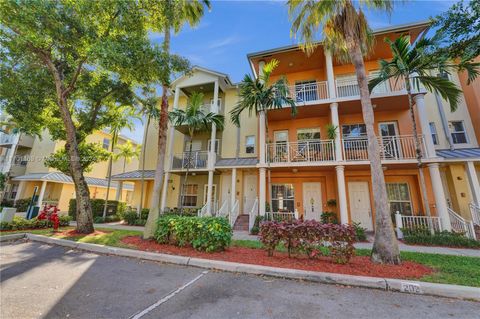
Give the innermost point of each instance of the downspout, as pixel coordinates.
(443, 118)
(237, 151)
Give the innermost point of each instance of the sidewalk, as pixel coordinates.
(244, 235)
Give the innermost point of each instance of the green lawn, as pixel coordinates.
(449, 269)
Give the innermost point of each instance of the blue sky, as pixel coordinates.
(232, 29)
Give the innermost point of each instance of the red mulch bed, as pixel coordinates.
(74, 233)
(360, 265)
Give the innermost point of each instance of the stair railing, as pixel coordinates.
(252, 215)
(461, 225)
(234, 213)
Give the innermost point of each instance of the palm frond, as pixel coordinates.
(447, 89)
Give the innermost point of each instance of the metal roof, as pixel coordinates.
(148, 174)
(461, 153)
(228, 162)
(58, 177)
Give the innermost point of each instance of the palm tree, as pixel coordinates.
(347, 34)
(148, 104)
(128, 152)
(412, 64)
(168, 15)
(196, 120)
(121, 116)
(259, 95)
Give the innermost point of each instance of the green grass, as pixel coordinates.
(457, 270)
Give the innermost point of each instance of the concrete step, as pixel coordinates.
(241, 223)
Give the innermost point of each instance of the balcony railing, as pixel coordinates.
(6, 138)
(349, 87)
(391, 148)
(309, 92)
(303, 151)
(193, 160)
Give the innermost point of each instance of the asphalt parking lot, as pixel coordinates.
(43, 281)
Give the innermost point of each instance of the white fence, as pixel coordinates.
(461, 225)
(391, 148)
(309, 92)
(415, 222)
(282, 216)
(303, 151)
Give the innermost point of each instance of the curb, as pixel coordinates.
(387, 284)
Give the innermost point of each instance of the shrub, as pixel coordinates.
(256, 225)
(311, 238)
(20, 223)
(144, 213)
(359, 232)
(97, 207)
(7, 203)
(329, 218)
(176, 211)
(423, 236)
(202, 233)
(130, 217)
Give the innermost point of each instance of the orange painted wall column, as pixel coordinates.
(440, 201)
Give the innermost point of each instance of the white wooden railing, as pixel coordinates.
(193, 160)
(202, 211)
(303, 151)
(391, 147)
(252, 215)
(234, 213)
(475, 211)
(283, 216)
(223, 211)
(461, 225)
(349, 87)
(413, 222)
(309, 92)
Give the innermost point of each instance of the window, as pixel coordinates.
(308, 134)
(444, 75)
(13, 192)
(457, 130)
(399, 198)
(283, 199)
(354, 131)
(250, 144)
(189, 195)
(106, 143)
(433, 131)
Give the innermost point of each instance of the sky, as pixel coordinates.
(232, 29)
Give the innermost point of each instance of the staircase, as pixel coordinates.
(477, 231)
(241, 224)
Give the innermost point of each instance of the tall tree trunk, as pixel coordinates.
(385, 247)
(142, 179)
(162, 145)
(109, 180)
(186, 173)
(418, 152)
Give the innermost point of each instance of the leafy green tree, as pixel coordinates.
(122, 116)
(63, 63)
(346, 33)
(259, 96)
(166, 16)
(196, 120)
(128, 152)
(89, 154)
(413, 64)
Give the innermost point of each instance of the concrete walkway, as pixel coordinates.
(244, 235)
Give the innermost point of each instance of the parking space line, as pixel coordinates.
(167, 297)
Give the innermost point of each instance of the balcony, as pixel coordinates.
(348, 87)
(193, 160)
(400, 147)
(309, 92)
(305, 151)
(7, 139)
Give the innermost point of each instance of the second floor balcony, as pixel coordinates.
(190, 160)
(392, 148)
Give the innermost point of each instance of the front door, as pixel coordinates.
(312, 200)
(360, 209)
(249, 192)
(390, 140)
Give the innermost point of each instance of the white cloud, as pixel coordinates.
(220, 43)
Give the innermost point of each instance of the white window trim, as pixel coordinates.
(435, 133)
(450, 126)
(310, 130)
(248, 145)
(182, 194)
(402, 200)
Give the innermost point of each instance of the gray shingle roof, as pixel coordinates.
(62, 178)
(148, 174)
(227, 162)
(459, 153)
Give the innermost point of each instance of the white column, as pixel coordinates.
(473, 181)
(163, 201)
(422, 116)
(262, 137)
(118, 194)
(19, 194)
(342, 194)
(330, 76)
(263, 190)
(211, 153)
(233, 188)
(42, 193)
(440, 201)
(336, 123)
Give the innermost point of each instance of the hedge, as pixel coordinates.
(114, 207)
(20, 223)
(21, 205)
(311, 238)
(423, 236)
(202, 233)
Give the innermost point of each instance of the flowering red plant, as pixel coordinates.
(50, 213)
